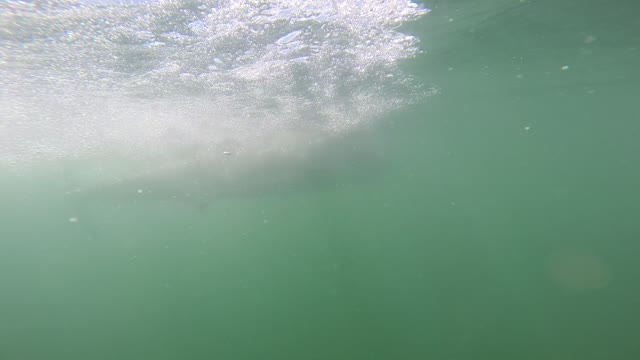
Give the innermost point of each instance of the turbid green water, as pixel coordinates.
(496, 219)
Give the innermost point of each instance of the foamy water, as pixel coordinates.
(165, 82)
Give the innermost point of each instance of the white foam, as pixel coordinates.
(179, 78)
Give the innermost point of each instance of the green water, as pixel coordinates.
(496, 220)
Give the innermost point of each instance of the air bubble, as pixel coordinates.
(161, 84)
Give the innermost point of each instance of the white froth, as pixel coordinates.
(181, 78)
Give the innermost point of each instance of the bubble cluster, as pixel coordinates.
(184, 77)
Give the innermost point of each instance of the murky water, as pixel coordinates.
(318, 180)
